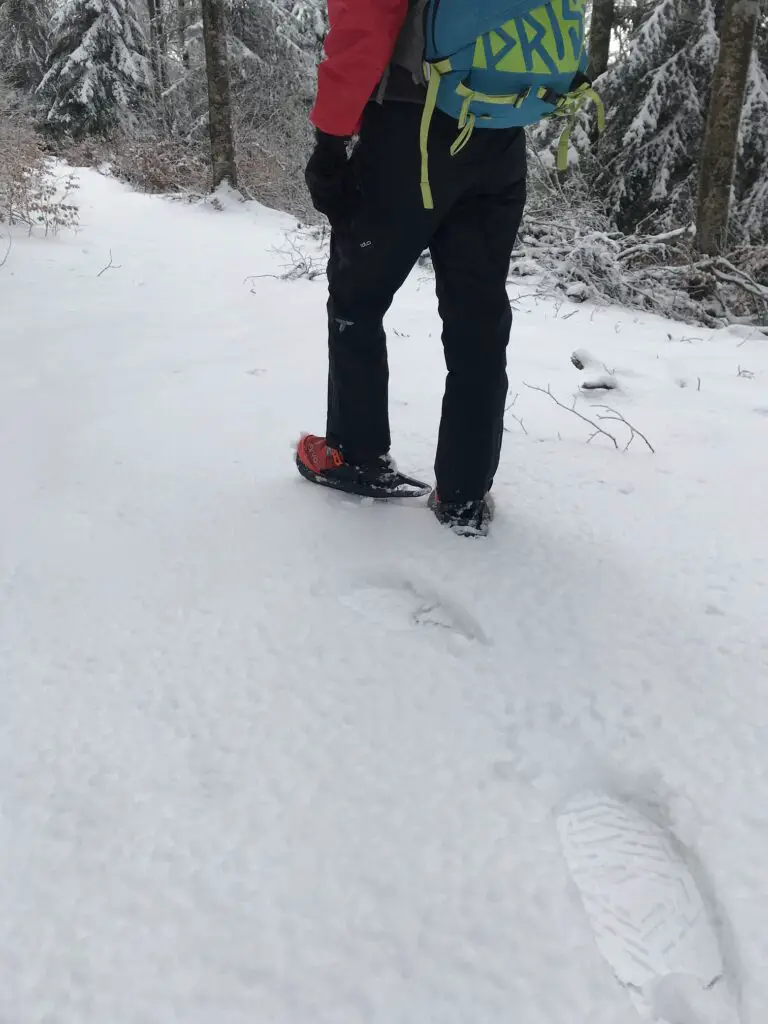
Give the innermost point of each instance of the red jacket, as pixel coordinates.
(358, 49)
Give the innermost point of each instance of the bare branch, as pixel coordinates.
(261, 277)
(109, 266)
(619, 417)
(597, 430)
(7, 252)
(596, 427)
(519, 419)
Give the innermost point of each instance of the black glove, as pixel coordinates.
(329, 178)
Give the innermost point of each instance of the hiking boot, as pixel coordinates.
(465, 518)
(378, 477)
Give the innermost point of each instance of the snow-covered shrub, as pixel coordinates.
(563, 199)
(31, 192)
(161, 165)
(98, 71)
(657, 273)
(273, 177)
(175, 166)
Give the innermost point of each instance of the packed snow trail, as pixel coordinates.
(270, 755)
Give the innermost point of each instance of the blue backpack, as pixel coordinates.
(503, 63)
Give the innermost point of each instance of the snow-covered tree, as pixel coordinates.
(656, 102)
(273, 46)
(98, 71)
(311, 18)
(749, 216)
(24, 29)
(645, 166)
(274, 49)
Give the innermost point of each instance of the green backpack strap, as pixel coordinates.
(433, 74)
(569, 107)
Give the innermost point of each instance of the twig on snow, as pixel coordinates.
(619, 417)
(514, 417)
(572, 408)
(261, 277)
(610, 414)
(109, 266)
(4, 260)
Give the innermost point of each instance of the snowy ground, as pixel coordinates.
(267, 755)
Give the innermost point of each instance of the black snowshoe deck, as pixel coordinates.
(398, 486)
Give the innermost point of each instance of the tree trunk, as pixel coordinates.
(603, 13)
(153, 51)
(182, 24)
(721, 138)
(162, 45)
(219, 101)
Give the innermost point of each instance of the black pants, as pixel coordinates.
(479, 197)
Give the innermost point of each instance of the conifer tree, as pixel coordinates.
(656, 101)
(98, 71)
(24, 33)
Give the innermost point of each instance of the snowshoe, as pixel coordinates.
(465, 518)
(321, 464)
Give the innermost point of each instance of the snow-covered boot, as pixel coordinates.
(466, 518)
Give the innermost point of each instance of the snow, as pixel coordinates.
(270, 755)
(637, 892)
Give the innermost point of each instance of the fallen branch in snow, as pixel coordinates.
(298, 264)
(109, 266)
(572, 408)
(619, 417)
(301, 264)
(596, 428)
(4, 260)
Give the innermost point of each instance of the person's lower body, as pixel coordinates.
(479, 199)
